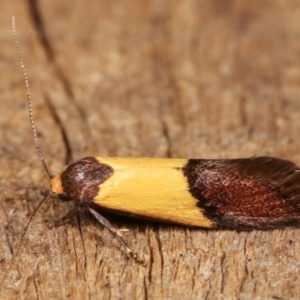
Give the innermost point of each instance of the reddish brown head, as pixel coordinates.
(81, 180)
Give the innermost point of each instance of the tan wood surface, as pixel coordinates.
(201, 79)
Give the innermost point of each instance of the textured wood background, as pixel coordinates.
(201, 79)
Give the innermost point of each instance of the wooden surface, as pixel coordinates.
(201, 79)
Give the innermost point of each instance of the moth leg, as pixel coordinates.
(65, 219)
(115, 233)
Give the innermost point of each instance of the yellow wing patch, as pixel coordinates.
(151, 187)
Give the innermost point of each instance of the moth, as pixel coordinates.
(239, 194)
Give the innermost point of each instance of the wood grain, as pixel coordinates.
(201, 79)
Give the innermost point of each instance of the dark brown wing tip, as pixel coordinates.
(247, 193)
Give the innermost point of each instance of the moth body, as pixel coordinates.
(241, 194)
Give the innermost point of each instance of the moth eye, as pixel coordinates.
(64, 197)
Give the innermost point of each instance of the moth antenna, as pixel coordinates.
(29, 100)
(28, 224)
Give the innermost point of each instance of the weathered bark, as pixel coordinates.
(201, 79)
